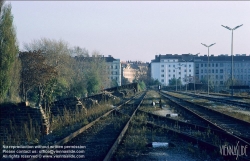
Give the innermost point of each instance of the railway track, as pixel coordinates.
(204, 137)
(229, 124)
(227, 95)
(96, 140)
(223, 99)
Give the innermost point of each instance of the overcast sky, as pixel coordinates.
(130, 30)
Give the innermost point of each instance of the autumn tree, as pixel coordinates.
(8, 48)
(57, 53)
(35, 74)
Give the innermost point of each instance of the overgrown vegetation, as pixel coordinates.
(28, 133)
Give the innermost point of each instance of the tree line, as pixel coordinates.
(47, 69)
(50, 69)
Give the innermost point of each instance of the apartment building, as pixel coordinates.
(167, 67)
(219, 68)
(186, 67)
(114, 69)
(134, 70)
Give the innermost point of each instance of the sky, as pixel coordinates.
(136, 30)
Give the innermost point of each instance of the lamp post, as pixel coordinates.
(194, 75)
(208, 66)
(232, 91)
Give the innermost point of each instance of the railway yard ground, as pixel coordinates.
(155, 125)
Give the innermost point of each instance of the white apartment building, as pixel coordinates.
(218, 70)
(166, 67)
(114, 69)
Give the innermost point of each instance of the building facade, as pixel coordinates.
(219, 69)
(193, 68)
(133, 70)
(114, 69)
(166, 67)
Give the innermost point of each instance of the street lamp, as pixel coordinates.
(208, 66)
(232, 91)
(194, 75)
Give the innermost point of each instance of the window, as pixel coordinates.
(201, 65)
(116, 67)
(169, 70)
(169, 65)
(189, 65)
(173, 70)
(201, 70)
(179, 72)
(162, 75)
(212, 64)
(221, 76)
(162, 65)
(173, 65)
(221, 64)
(111, 67)
(212, 70)
(216, 76)
(216, 70)
(221, 70)
(216, 65)
(205, 65)
(162, 80)
(174, 75)
(169, 75)
(221, 82)
(189, 70)
(205, 70)
(162, 70)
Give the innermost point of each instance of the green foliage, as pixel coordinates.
(93, 83)
(173, 81)
(142, 85)
(8, 48)
(152, 82)
(78, 73)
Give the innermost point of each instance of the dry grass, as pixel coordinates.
(28, 133)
